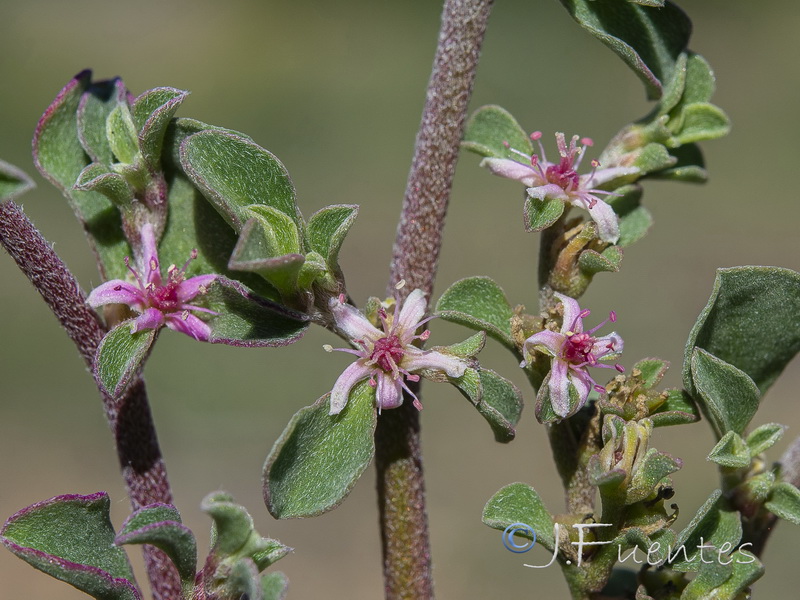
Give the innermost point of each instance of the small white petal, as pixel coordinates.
(341, 389)
(571, 311)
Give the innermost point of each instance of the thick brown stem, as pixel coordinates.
(401, 486)
(129, 417)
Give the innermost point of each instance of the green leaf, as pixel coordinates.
(592, 262)
(487, 130)
(648, 39)
(246, 319)
(689, 166)
(256, 252)
(234, 535)
(701, 121)
(98, 178)
(731, 451)
(160, 525)
(122, 135)
(497, 399)
(60, 158)
(327, 229)
(678, 409)
(728, 397)
(541, 214)
(654, 466)
(478, 303)
(468, 348)
(751, 322)
(715, 523)
(97, 102)
(724, 580)
(120, 356)
(152, 112)
(71, 538)
(234, 173)
(764, 437)
(652, 371)
(13, 181)
(784, 501)
(653, 157)
(634, 220)
(319, 457)
(519, 503)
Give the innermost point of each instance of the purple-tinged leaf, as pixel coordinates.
(71, 538)
(152, 112)
(60, 157)
(160, 525)
(13, 181)
(245, 319)
(99, 178)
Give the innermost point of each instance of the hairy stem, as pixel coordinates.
(401, 486)
(129, 417)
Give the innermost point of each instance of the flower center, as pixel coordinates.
(578, 348)
(563, 175)
(165, 297)
(387, 353)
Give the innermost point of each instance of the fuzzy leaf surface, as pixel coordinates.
(519, 503)
(319, 457)
(751, 322)
(648, 39)
(71, 538)
(120, 355)
(490, 126)
(160, 525)
(478, 303)
(233, 172)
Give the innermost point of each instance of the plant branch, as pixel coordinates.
(129, 417)
(401, 486)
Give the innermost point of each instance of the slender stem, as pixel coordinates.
(401, 487)
(129, 417)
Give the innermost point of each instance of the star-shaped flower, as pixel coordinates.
(560, 180)
(573, 351)
(159, 302)
(388, 356)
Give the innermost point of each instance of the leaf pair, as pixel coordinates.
(71, 538)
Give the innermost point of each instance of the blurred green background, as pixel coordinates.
(336, 90)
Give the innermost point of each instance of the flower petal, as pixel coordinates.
(341, 389)
(150, 266)
(583, 382)
(550, 190)
(189, 289)
(603, 176)
(389, 393)
(511, 169)
(351, 322)
(601, 347)
(559, 387)
(410, 314)
(552, 341)
(417, 360)
(152, 318)
(189, 324)
(117, 291)
(607, 221)
(572, 311)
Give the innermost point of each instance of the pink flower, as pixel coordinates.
(561, 181)
(573, 351)
(387, 356)
(158, 302)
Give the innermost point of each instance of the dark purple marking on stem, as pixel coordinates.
(129, 417)
(398, 457)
